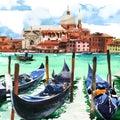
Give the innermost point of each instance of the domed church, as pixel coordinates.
(69, 36)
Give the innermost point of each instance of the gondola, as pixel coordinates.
(32, 107)
(26, 81)
(24, 58)
(106, 101)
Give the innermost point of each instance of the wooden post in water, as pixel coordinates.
(16, 73)
(47, 70)
(109, 67)
(72, 77)
(93, 88)
(9, 64)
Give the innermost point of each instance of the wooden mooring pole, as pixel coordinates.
(109, 67)
(93, 87)
(16, 73)
(9, 64)
(72, 77)
(47, 70)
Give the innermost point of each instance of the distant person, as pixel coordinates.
(26, 53)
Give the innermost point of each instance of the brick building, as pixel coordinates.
(99, 42)
(10, 45)
(4, 44)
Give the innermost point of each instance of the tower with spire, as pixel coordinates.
(68, 10)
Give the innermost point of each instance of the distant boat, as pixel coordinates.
(87, 53)
(23, 58)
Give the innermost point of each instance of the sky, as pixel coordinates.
(97, 15)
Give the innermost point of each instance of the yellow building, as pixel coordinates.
(115, 47)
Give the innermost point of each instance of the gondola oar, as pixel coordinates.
(47, 70)
(93, 88)
(72, 77)
(16, 73)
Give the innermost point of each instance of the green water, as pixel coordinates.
(79, 108)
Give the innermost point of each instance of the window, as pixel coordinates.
(31, 42)
(2, 39)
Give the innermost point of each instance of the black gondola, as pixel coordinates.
(106, 101)
(24, 58)
(43, 104)
(26, 82)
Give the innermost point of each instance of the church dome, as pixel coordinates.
(68, 18)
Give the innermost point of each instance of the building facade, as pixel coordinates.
(69, 34)
(10, 45)
(115, 47)
(99, 42)
(31, 37)
(5, 44)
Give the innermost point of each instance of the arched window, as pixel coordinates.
(31, 42)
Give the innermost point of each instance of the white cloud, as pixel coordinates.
(100, 3)
(33, 18)
(12, 19)
(110, 10)
(111, 29)
(7, 3)
(55, 8)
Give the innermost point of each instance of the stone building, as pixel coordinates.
(31, 37)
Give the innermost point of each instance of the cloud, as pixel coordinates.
(111, 29)
(14, 5)
(35, 17)
(12, 19)
(96, 15)
(4, 30)
(108, 11)
(6, 4)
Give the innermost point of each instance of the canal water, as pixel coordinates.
(78, 109)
